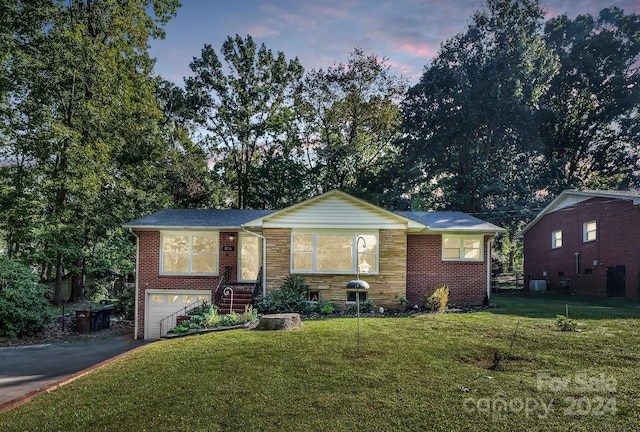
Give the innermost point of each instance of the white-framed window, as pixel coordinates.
(589, 230)
(194, 253)
(333, 252)
(556, 239)
(461, 247)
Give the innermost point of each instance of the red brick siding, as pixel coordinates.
(467, 281)
(617, 243)
(149, 276)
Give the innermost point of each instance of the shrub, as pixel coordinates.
(366, 306)
(565, 324)
(485, 300)
(290, 297)
(328, 309)
(24, 305)
(436, 301)
(125, 304)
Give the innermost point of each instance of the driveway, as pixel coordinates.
(26, 369)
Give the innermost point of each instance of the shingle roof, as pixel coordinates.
(451, 221)
(197, 218)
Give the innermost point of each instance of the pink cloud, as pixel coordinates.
(417, 50)
(333, 12)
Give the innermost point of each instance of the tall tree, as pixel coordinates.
(589, 117)
(468, 121)
(242, 105)
(350, 120)
(86, 123)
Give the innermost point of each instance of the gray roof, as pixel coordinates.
(197, 218)
(451, 221)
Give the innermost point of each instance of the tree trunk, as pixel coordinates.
(77, 283)
(57, 294)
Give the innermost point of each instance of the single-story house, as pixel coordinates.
(586, 242)
(185, 256)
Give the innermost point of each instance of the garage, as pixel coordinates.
(162, 303)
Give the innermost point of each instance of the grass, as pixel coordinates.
(426, 372)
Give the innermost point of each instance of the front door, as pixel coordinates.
(616, 281)
(249, 258)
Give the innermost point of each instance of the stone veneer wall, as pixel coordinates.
(386, 287)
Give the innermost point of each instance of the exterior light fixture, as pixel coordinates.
(232, 237)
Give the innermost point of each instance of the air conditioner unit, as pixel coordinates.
(538, 285)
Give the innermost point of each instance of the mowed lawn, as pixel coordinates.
(420, 373)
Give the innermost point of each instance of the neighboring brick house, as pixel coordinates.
(183, 255)
(586, 242)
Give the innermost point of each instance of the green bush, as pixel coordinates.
(565, 324)
(24, 305)
(436, 301)
(328, 309)
(290, 297)
(366, 306)
(125, 302)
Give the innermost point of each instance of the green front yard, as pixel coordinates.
(426, 372)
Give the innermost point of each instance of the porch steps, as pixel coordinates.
(242, 296)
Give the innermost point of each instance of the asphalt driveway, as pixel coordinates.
(26, 369)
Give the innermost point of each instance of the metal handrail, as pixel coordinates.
(257, 286)
(172, 319)
(217, 295)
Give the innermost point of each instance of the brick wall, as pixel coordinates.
(617, 243)
(385, 288)
(149, 276)
(467, 281)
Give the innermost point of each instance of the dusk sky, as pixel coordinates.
(322, 32)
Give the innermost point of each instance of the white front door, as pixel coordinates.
(162, 303)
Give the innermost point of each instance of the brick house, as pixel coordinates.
(186, 256)
(586, 242)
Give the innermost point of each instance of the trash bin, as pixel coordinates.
(96, 320)
(106, 316)
(83, 321)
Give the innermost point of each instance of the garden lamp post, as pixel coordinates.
(358, 284)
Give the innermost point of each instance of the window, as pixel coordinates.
(461, 248)
(330, 252)
(314, 296)
(351, 296)
(589, 231)
(189, 253)
(556, 239)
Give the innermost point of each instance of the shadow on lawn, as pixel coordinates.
(551, 304)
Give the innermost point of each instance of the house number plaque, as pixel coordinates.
(228, 248)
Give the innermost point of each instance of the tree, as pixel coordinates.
(589, 116)
(243, 106)
(469, 121)
(350, 121)
(85, 123)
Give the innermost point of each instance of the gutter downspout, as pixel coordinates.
(489, 269)
(264, 259)
(135, 313)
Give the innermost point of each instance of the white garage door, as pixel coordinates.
(161, 303)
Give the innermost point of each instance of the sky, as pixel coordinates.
(321, 33)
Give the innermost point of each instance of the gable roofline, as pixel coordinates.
(563, 200)
(410, 223)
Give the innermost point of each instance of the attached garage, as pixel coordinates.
(162, 303)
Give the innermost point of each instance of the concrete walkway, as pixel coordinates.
(27, 370)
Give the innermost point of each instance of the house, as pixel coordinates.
(186, 256)
(586, 242)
